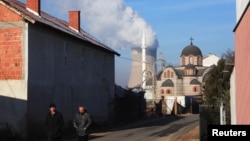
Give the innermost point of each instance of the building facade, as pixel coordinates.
(184, 82)
(240, 111)
(44, 59)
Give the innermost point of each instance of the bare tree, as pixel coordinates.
(228, 56)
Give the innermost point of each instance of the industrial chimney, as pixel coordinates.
(136, 76)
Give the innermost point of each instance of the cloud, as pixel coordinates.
(112, 22)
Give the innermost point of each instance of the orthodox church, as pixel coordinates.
(184, 82)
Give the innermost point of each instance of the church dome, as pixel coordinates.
(191, 50)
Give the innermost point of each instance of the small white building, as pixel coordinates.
(210, 59)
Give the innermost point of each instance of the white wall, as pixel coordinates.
(210, 60)
(233, 97)
(240, 7)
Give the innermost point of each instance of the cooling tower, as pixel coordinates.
(136, 66)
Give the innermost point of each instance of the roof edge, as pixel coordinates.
(241, 17)
(5, 3)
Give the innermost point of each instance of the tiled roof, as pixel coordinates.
(53, 22)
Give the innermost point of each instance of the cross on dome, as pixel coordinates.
(191, 39)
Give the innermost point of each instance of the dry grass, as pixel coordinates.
(192, 135)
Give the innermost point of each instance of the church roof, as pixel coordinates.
(191, 50)
(195, 82)
(190, 66)
(168, 83)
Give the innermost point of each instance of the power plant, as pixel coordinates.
(136, 73)
(143, 68)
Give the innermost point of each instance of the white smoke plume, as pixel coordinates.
(112, 22)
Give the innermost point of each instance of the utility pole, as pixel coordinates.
(222, 114)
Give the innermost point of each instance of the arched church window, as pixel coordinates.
(191, 72)
(195, 89)
(168, 74)
(165, 75)
(195, 61)
(162, 91)
(186, 60)
(183, 60)
(168, 91)
(191, 60)
(172, 74)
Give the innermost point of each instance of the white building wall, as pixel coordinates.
(240, 7)
(210, 60)
(233, 98)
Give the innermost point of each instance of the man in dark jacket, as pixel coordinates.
(82, 122)
(54, 123)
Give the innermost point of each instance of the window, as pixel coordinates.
(168, 74)
(165, 74)
(183, 60)
(168, 91)
(162, 91)
(191, 60)
(194, 89)
(195, 61)
(172, 74)
(186, 60)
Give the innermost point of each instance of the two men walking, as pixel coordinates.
(54, 123)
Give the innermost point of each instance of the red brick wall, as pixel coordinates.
(242, 70)
(10, 53)
(8, 15)
(11, 58)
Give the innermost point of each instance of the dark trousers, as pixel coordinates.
(54, 138)
(83, 138)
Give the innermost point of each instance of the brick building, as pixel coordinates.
(44, 59)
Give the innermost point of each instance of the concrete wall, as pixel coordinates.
(242, 69)
(68, 72)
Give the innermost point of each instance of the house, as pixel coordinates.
(240, 97)
(44, 59)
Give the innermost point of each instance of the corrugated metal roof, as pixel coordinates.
(54, 22)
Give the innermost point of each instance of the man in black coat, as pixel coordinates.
(54, 123)
(82, 122)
